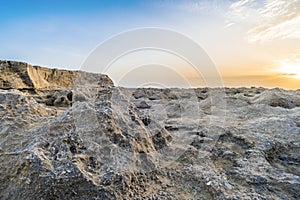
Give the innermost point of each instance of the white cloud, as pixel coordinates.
(269, 19)
(242, 11)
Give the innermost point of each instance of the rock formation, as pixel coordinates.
(73, 135)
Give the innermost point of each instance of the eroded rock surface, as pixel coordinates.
(20, 75)
(69, 136)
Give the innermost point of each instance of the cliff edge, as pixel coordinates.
(20, 75)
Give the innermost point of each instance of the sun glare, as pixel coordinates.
(290, 69)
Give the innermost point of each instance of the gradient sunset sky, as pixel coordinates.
(251, 42)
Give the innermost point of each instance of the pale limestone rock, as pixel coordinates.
(63, 139)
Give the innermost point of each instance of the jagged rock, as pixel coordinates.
(20, 75)
(143, 105)
(52, 87)
(63, 140)
(278, 98)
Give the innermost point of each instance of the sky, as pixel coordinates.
(250, 42)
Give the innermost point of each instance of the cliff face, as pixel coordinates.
(73, 135)
(19, 75)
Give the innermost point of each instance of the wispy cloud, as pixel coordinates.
(292, 59)
(269, 19)
(241, 10)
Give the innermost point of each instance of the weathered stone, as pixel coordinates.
(19, 75)
(63, 137)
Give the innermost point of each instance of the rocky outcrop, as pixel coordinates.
(20, 75)
(52, 87)
(118, 143)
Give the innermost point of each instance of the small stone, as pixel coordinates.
(143, 105)
(228, 153)
(228, 186)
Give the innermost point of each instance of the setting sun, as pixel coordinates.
(290, 69)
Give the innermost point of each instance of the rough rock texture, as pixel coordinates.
(19, 75)
(65, 135)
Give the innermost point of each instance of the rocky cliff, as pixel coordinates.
(73, 135)
(20, 75)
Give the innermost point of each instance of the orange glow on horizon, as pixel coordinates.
(291, 69)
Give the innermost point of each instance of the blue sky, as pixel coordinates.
(19, 8)
(62, 33)
(242, 37)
